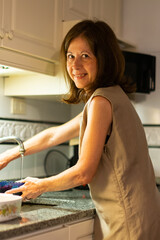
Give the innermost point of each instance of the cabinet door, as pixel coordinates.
(86, 238)
(109, 11)
(76, 9)
(59, 234)
(81, 231)
(1, 21)
(32, 27)
(106, 10)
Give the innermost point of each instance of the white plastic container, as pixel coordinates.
(10, 206)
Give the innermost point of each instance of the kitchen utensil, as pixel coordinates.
(55, 162)
(10, 206)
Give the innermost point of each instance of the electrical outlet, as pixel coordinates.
(18, 106)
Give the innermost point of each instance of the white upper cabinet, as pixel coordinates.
(110, 11)
(31, 27)
(76, 9)
(106, 10)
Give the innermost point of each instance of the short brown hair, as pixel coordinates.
(104, 45)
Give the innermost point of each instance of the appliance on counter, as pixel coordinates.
(141, 68)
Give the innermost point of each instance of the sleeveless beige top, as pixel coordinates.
(123, 189)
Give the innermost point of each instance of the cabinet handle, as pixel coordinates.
(9, 35)
(2, 33)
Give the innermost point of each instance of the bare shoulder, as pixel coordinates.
(100, 102)
(100, 108)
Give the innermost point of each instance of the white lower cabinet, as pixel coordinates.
(82, 230)
(60, 234)
(75, 231)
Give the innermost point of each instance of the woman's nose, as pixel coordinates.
(77, 63)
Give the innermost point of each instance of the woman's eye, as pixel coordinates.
(85, 56)
(70, 56)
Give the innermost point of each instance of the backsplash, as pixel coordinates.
(21, 129)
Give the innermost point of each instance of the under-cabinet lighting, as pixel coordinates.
(7, 71)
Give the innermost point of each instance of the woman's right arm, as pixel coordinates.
(50, 137)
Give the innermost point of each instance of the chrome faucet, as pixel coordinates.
(16, 139)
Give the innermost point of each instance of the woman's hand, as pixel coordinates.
(32, 188)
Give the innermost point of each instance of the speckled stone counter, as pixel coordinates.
(49, 210)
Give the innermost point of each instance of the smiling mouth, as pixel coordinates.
(80, 75)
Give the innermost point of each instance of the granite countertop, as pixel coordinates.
(49, 210)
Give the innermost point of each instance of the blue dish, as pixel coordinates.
(7, 185)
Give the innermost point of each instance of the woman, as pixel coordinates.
(113, 157)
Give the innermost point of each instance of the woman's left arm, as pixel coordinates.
(98, 125)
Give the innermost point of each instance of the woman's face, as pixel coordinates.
(81, 63)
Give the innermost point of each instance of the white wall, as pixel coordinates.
(40, 110)
(140, 26)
